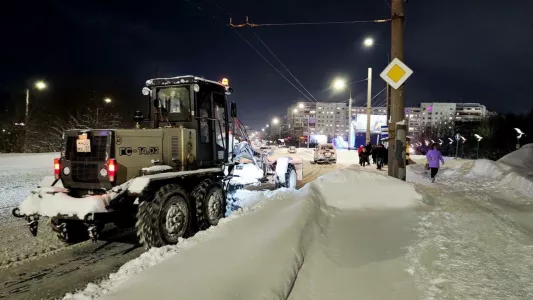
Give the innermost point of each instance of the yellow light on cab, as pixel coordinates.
(225, 82)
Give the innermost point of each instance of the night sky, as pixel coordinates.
(460, 50)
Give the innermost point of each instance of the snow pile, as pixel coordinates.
(156, 169)
(27, 161)
(138, 184)
(513, 171)
(347, 157)
(296, 239)
(50, 201)
(53, 201)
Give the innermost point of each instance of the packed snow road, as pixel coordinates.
(42, 267)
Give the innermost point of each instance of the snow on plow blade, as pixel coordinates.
(51, 201)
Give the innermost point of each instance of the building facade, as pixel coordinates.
(470, 112)
(331, 119)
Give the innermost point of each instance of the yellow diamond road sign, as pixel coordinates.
(396, 73)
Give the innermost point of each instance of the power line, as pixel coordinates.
(251, 46)
(287, 69)
(247, 24)
(265, 59)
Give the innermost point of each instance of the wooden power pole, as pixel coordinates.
(397, 132)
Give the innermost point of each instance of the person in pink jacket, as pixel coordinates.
(434, 158)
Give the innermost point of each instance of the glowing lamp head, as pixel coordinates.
(339, 84)
(224, 82)
(368, 42)
(40, 85)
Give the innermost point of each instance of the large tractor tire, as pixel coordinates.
(69, 231)
(290, 178)
(210, 203)
(165, 219)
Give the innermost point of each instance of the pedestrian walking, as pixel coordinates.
(434, 157)
(363, 157)
(374, 154)
(381, 154)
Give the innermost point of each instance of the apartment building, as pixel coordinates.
(470, 112)
(328, 118)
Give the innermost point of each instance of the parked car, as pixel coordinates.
(325, 153)
(292, 149)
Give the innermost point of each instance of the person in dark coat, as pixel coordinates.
(373, 153)
(381, 154)
(363, 158)
(368, 148)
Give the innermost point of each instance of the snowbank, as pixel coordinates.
(53, 201)
(296, 239)
(50, 201)
(24, 161)
(19, 174)
(513, 171)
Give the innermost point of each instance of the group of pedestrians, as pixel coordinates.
(379, 157)
(377, 153)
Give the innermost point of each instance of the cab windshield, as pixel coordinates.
(175, 100)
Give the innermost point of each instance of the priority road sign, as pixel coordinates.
(396, 73)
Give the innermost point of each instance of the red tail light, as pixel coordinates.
(57, 168)
(111, 169)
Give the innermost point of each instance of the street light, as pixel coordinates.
(40, 85)
(295, 110)
(520, 134)
(479, 138)
(368, 42)
(108, 100)
(339, 84)
(301, 105)
(275, 121)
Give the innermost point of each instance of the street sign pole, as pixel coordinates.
(457, 139)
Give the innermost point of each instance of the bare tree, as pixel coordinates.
(47, 135)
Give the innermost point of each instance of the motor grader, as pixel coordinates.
(169, 177)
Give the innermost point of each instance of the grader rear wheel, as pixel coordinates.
(165, 219)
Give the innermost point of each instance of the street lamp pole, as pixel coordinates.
(40, 85)
(368, 105)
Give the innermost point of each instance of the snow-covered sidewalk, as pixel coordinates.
(476, 241)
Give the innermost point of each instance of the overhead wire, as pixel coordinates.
(272, 65)
(255, 49)
(312, 23)
(281, 63)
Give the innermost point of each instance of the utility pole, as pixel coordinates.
(308, 130)
(26, 121)
(397, 132)
(350, 130)
(368, 104)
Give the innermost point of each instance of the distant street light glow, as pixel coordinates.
(339, 84)
(368, 42)
(275, 121)
(301, 105)
(40, 85)
(295, 110)
(107, 100)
